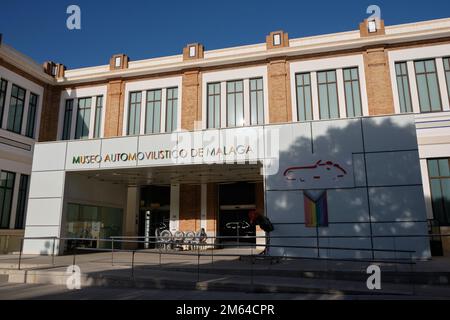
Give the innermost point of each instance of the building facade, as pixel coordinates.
(342, 140)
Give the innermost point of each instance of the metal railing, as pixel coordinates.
(209, 250)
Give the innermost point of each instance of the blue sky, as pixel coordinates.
(145, 28)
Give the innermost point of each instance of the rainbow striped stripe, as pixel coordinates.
(316, 210)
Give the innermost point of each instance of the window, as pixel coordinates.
(98, 117)
(276, 39)
(256, 101)
(352, 93)
(83, 118)
(404, 93)
(328, 96)
(22, 201)
(67, 126)
(213, 109)
(172, 109)
(134, 113)
(153, 112)
(439, 173)
(192, 51)
(446, 70)
(427, 86)
(3, 87)
(6, 195)
(235, 103)
(31, 120)
(304, 102)
(16, 107)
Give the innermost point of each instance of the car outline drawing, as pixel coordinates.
(290, 173)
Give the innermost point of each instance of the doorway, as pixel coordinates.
(236, 200)
(154, 213)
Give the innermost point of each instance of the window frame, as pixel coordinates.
(19, 88)
(3, 92)
(22, 201)
(2, 201)
(428, 87)
(447, 77)
(439, 178)
(234, 93)
(89, 109)
(153, 102)
(297, 86)
(98, 117)
(328, 93)
(30, 130)
(138, 106)
(173, 110)
(208, 125)
(407, 81)
(257, 91)
(351, 82)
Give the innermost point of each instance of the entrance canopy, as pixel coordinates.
(185, 174)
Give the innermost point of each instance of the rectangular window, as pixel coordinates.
(446, 70)
(352, 93)
(428, 86)
(439, 173)
(31, 120)
(83, 118)
(256, 102)
(16, 106)
(328, 96)
(3, 87)
(213, 109)
(172, 109)
(235, 103)
(134, 113)
(67, 126)
(304, 99)
(98, 117)
(404, 93)
(6, 195)
(22, 201)
(153, 112)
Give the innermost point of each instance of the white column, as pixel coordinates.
(223, 104)
(246, 102)
(7, 102)
(12, 221)
(203, 202)
(26, 108)
(174, 207)
(442, 84)
(413, 87)
(163, 110)
(315, 96)
(341, 93)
